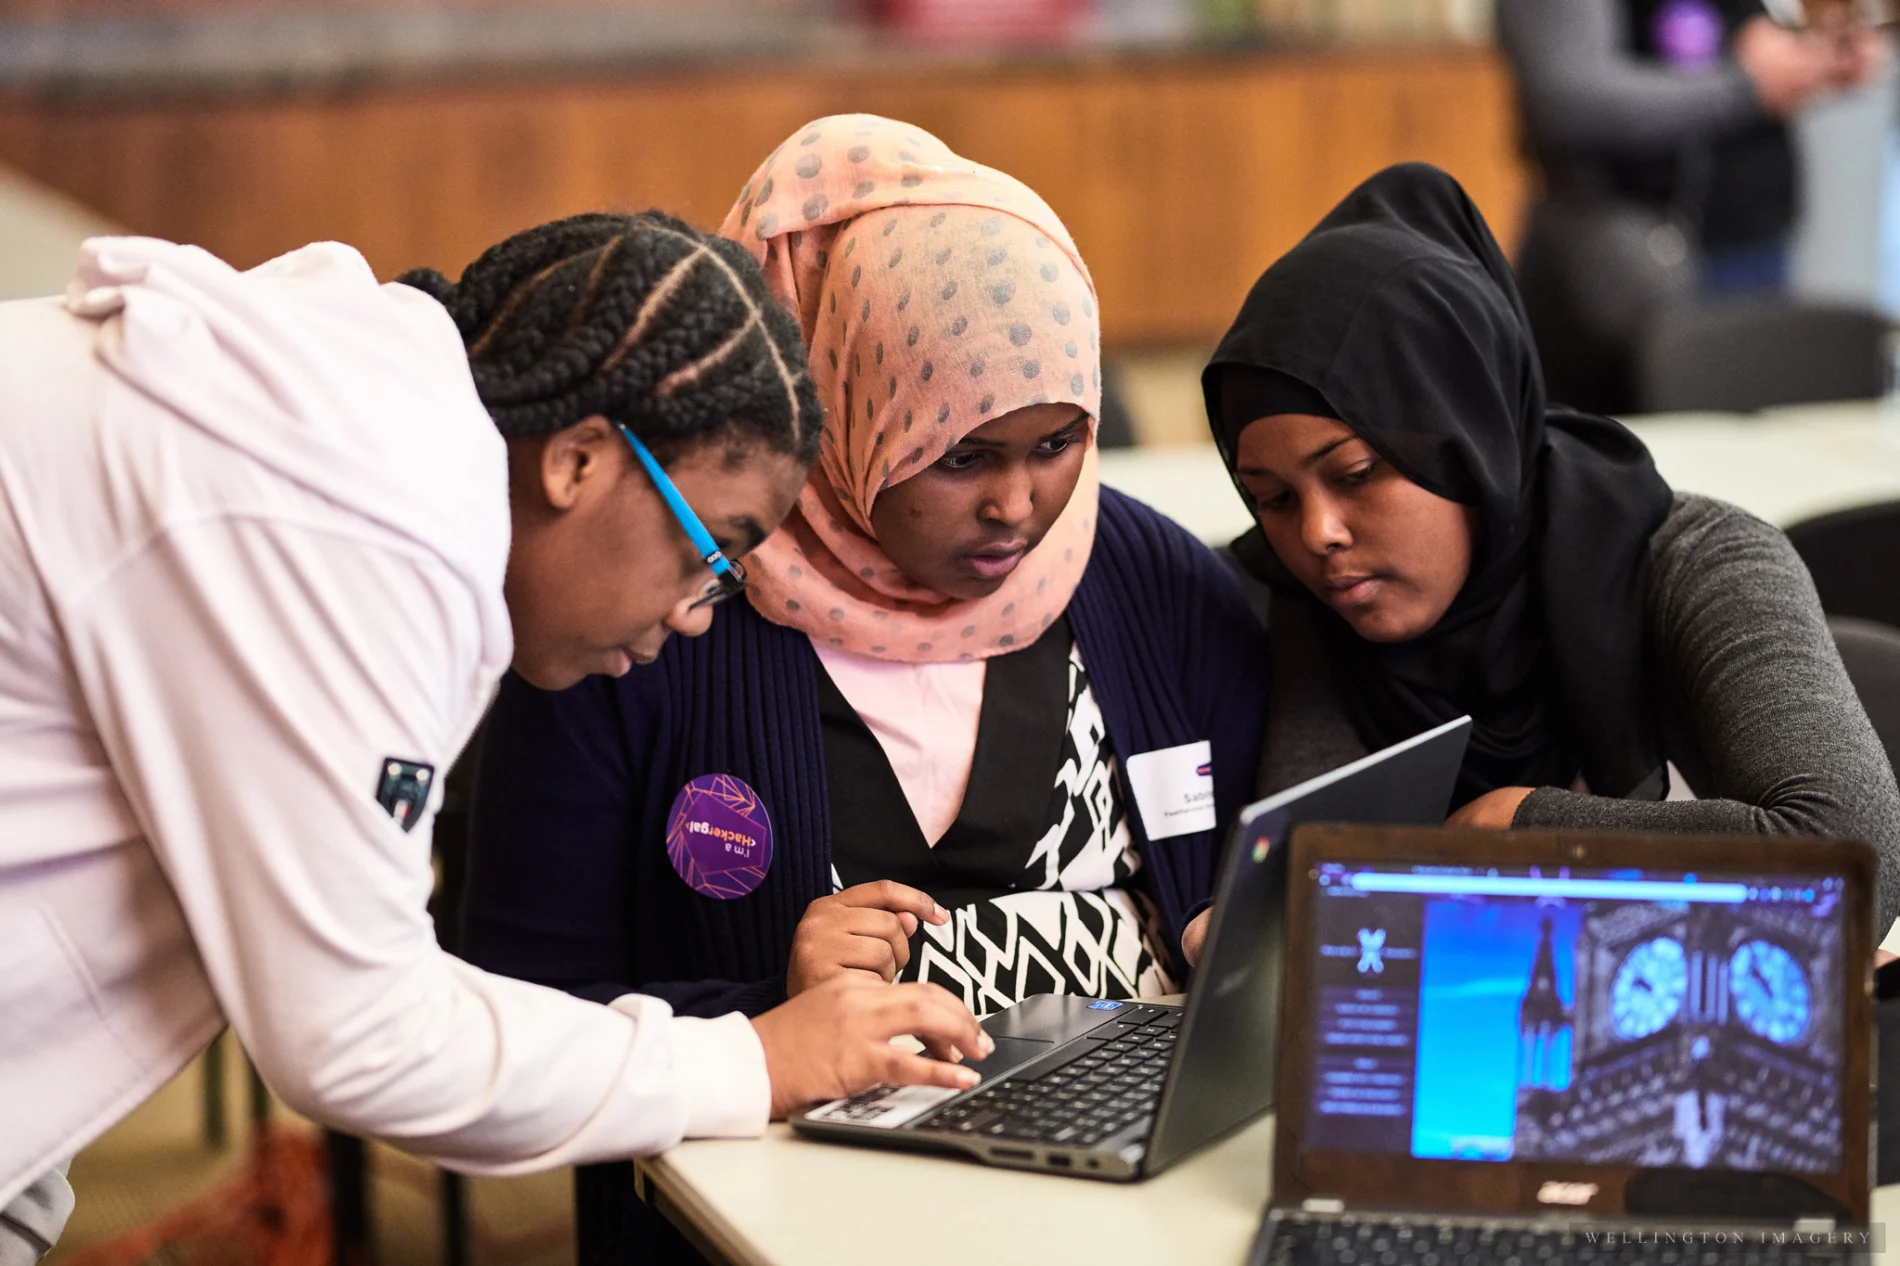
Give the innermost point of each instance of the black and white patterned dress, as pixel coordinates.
(1039, 871)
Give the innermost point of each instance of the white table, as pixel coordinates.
(792, 1202)
(1783, 465)
(787, 1201)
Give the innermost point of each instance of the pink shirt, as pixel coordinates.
(925, 718)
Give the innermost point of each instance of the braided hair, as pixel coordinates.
(639, 318)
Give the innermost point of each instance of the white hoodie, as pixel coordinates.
(253, 528)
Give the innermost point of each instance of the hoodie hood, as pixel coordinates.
(359, 392)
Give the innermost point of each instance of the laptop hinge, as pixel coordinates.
(1322, 1204)
(1813, 1226)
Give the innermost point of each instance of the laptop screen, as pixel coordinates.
(1623, 1017)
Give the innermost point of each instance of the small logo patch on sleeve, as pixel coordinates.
(403, 790)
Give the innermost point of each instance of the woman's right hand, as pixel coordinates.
(834, 1040)
(863, 931)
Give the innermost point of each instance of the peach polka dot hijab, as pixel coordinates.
(935, 295)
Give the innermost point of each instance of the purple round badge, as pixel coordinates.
(1688, 34)
(719, 837)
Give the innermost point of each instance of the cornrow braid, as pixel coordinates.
(640, 318)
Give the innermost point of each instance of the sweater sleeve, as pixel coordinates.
(250, 679)
(551, 885)
(1215, 662)
(1580, 89)
(1177, 657)
(1233, 680)
(1226, 669)
(1739, 640)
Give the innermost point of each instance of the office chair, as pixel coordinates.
(1116, 428)
(1743, 355)
(1854, 557)
(1871, 652)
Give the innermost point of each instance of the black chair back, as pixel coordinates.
(1116, 429)
(1743, 355)
(1871, 652)
(1854, 557)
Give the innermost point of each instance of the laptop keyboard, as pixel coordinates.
(1098, 1094)
(1302, 1241)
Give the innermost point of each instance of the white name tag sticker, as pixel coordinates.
(1174, 789)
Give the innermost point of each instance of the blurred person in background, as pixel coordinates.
(1669, 170)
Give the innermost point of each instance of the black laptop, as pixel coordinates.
(1112, 1089)
(1538, 1046)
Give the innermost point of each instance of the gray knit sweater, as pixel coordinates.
(1756, 711)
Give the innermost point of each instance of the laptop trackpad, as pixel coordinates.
(1010, 1054)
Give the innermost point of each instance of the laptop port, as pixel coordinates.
(1013, 1153)
(1058, 1161)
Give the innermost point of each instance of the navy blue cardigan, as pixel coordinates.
(569, 882)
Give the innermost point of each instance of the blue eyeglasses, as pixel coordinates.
(728, 578)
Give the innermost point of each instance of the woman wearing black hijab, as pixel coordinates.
(1439, 540)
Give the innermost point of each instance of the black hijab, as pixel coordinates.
(1399, 316)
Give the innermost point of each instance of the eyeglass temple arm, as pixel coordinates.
(696, 532)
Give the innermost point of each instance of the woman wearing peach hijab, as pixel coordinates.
(983, 723)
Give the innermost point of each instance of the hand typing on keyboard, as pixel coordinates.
(835, 1040)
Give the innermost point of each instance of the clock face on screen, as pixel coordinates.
(1649, 987)
(1770, 990)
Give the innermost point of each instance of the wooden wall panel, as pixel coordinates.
(1180, 178)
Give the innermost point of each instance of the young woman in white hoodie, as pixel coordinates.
(266, 544)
